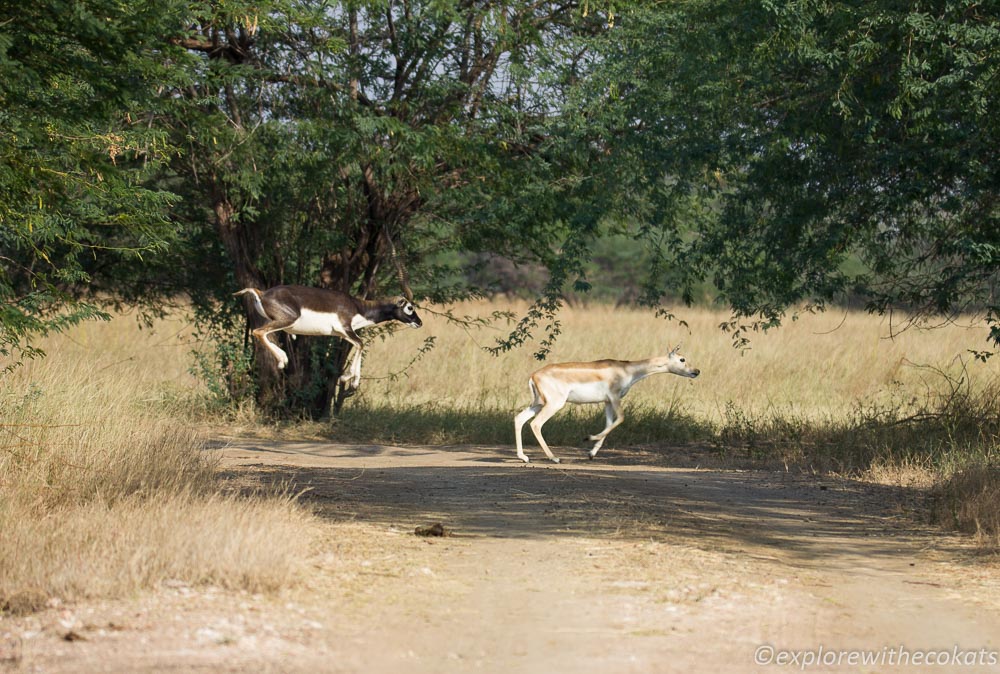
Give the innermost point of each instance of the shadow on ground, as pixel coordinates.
(482, 491)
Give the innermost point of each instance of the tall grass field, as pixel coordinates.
(818, 367)
(107, 487)
(821, 370)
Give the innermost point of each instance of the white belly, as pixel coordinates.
(591, 392)
(316, 323)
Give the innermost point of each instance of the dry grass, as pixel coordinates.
(816, 368)
(105, 486)
(94, 549)
(969, 500)
(103, 492)
(838, 389)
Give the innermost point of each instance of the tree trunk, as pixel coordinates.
(235, 239)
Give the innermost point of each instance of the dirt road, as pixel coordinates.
(635, 562)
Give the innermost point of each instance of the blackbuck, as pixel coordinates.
(600, 381)
(300, 310)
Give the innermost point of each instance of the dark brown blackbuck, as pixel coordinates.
(301, 310)
(600, 381)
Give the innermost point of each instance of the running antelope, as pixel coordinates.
(300, 310)
(601, 381)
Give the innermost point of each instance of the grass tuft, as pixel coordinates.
(969, 501)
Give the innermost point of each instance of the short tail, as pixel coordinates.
(539, 398)
(256, 300)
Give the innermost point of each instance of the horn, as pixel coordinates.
(404, 278)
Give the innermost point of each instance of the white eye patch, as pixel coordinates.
(408, 309)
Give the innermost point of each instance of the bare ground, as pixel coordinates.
(635, 562)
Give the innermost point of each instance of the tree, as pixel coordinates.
(74, 79)
(805, 134)
(328, 142)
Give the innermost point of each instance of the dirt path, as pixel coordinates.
(625, 564)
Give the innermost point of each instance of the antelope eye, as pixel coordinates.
(682, 360)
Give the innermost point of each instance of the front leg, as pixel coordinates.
(609, 418)
(356, 369)
(613, 415)
(352, 376)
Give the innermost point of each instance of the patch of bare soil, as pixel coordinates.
(624, 564)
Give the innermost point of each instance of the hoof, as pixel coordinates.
(555, 460)
(350, 382)
(525, 459)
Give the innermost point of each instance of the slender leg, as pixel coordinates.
(263, 331)
(356, 368)
(609, 418)
(544, 414)
(352, 376)
(614, 416)
(519, 422)
(279, 317)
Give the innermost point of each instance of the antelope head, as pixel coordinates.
(406, 313)
(675, 363)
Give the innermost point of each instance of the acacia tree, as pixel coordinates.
(74, 157)
(821, 148)
(324, 140)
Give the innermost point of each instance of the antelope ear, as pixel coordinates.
(675, 349)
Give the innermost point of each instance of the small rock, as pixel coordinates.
(436, 529)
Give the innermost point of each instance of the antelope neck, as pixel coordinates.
(376, 312)
(640, 368)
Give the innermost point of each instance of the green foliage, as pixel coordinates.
(226, 370)
(773, 153)
(75, 79)
(30, 315)
(805, 133)
(319, 139)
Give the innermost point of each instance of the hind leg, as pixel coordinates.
(279, 317)
(263, 331)
(519, 422)
(544, 414)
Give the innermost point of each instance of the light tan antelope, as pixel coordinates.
(301, 310)
(600, 381)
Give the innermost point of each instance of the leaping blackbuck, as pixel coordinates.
(300, 310)
(600, 381)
